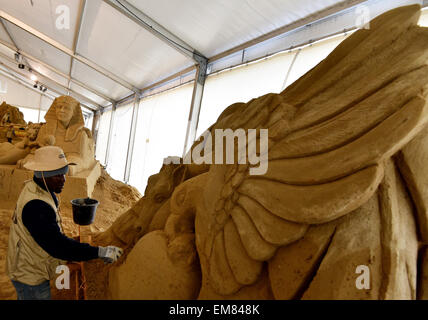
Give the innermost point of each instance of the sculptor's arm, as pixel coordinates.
(39, 218)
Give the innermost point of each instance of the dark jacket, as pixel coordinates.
(40, 220)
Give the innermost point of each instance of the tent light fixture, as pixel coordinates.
(20, 60)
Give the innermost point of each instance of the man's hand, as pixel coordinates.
(109, 254)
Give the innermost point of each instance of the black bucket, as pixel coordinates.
(84, 211)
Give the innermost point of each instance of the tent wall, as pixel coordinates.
(249, 81)
(161, 131)
(31, 103)
(102, 137)
(423, 21)
(116, 159)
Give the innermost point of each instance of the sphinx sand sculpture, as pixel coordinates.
(65, 128)
(346, 189)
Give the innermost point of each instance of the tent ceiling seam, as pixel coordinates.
(153, 27)
(13, 77)
(53, 69)
(319, 15)
(316, 16)
(82, 5)
(12, 73)
(43, 76)
(67, 51)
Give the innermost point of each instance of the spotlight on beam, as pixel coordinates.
(20, 61)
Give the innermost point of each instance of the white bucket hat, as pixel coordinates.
(49, 158)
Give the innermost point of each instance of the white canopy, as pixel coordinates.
(101, 51)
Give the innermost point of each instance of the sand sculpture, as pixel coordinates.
(10, 115)
(12, 153)
(11, 123)
(341, 212)
(65, 128)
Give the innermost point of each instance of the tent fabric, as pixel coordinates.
(41, 15)
(249, 81)
(31, 103)
(124, 48)
(137, 55)
(212, 27)
(128, 57)
(102, 137)
(22, 97)
(118, 44)
(119, 143)
(161, 131)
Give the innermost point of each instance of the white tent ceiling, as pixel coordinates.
(212, 27)
(107, 51)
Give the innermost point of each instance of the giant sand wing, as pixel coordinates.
(329, 135)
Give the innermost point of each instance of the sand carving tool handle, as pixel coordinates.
(80, 279)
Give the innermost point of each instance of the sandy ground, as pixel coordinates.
(7, 291)
(115, 198)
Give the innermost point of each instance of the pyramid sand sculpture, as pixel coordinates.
(341, 212)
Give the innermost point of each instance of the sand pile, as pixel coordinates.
(115, 198)
(6, 288)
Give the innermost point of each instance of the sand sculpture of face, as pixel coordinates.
(65, 109)
(65, 127)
